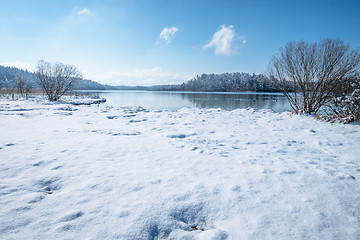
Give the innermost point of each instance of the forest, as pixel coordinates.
(224, 82)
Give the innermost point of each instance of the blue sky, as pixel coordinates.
(143, 42)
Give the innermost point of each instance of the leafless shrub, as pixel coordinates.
(56, 79)
(22, 86)
(1, 86)
(311, 74)
(346, 107)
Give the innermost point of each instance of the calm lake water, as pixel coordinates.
(156, 100)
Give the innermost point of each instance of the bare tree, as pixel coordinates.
(22, 86)
(1, 85)
(56, 79)
(311, 74)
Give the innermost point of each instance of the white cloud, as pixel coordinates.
(83, 11)
(19, 64)
(222, 41)
(168, 34)
(145, 76)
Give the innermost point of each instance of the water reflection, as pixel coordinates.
(153, 100)
(276, 102)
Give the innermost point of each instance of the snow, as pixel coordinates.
(87, 172)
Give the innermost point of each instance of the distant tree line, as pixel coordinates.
(9, 76)
(225, 82)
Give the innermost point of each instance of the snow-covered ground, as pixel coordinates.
(87, 172)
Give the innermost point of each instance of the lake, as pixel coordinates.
(156, 100)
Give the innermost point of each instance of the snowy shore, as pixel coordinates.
(86, 172)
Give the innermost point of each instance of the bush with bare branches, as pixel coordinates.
(347, 107)
(21, 86)
(311, 74)
(56, 79)
(1, 89)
